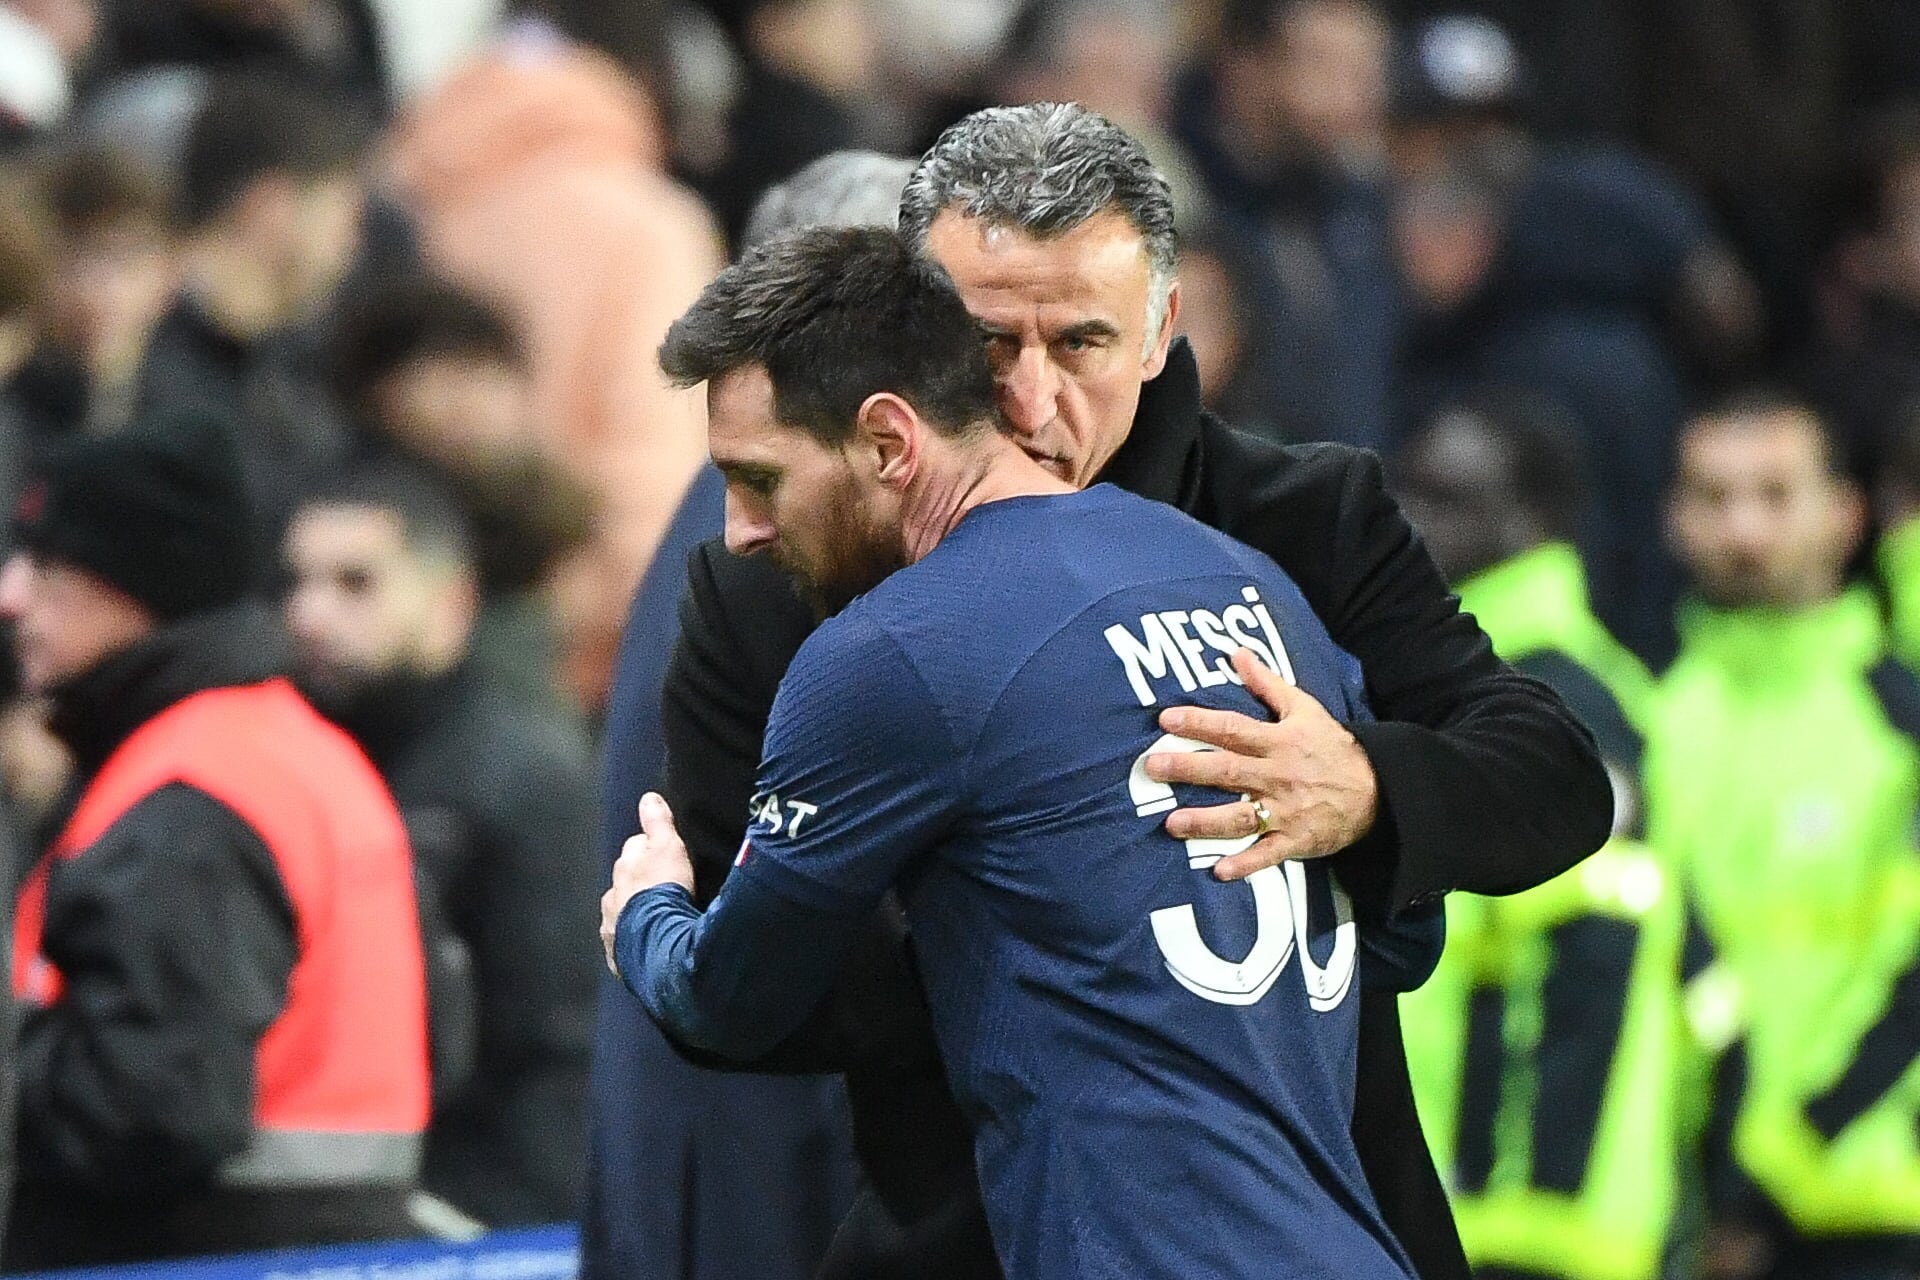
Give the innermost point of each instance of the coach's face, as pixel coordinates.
(801, 501)
(1065, 320)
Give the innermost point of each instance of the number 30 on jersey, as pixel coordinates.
(1280, 913)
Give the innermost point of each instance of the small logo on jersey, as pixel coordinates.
(740, 858)
(781, 817)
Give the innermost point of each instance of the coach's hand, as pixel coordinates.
(656, 856)
(1312, 789)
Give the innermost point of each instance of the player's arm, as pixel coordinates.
(859, 778)
(741, 624)
(734, 980)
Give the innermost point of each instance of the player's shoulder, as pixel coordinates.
(855, 672)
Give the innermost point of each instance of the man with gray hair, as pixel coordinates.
(1058, 232)
(845, 189)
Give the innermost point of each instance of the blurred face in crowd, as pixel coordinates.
(111, 283)
(458, 407)
(291, 241)
(1332, 81)
(1758, 516)
(1320, 78)
(66, 621)
(802, 502)
(364, 606)
(1065, 320)
(1117, 58)
(1457, 488)
(1445, 238)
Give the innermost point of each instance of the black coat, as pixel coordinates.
(1487, 782)
(177, 936)
(498, 793)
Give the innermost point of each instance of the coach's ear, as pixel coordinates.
(888, 432)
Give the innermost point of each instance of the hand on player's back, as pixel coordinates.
(1310, 775)
(654, 857)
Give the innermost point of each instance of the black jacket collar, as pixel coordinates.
(390, 714)
(1161, 458)
(96, 711)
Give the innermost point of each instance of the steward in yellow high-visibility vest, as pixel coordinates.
(1783, 776)
(1555, 1068)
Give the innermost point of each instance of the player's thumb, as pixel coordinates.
(1265, 683)
(656, 817)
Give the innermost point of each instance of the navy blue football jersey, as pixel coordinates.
(1159, 1066)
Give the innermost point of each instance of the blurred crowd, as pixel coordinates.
(1628, 295)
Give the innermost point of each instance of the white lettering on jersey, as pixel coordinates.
(767, 807)
(1280, 915)
(1156, 656)
(1194, 648)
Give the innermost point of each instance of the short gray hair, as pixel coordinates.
(1046, 168)
(844, 189)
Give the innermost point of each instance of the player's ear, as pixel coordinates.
(888, 431)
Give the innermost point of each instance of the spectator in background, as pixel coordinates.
(847, 188)
(806, 67)
(1896, 500)
(438, 375)
(274, 208)
(1549, 1049)
(24, 261)
(116, 270)
(26, 266)
(227, 1043)
(1287, 126)
(1864, 369)
(326, 44)
(1117, 57)
(383, 596)
(1561, 270)
(1750, 99)
(536, 173)
(1783, 776)
(1218, 316)
(771, 1159)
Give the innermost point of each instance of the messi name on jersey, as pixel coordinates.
(1194, 647)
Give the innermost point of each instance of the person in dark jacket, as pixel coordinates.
(225, 1039)
(1475, 777)
(497, 789)
(277, 224)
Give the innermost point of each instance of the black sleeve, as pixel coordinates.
(1487, 781)
(536, 974)
(175, 937)
(1398, 1163)
(740, 626)
(1884, 1055)
(1584, 1008)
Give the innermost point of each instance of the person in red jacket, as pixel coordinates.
(224, 1043)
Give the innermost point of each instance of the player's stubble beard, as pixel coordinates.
(856, 553)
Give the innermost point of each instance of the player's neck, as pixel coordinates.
(991, 471)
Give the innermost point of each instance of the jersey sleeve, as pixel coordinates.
(859, 775)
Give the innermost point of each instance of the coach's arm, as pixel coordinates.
(1472, 777)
